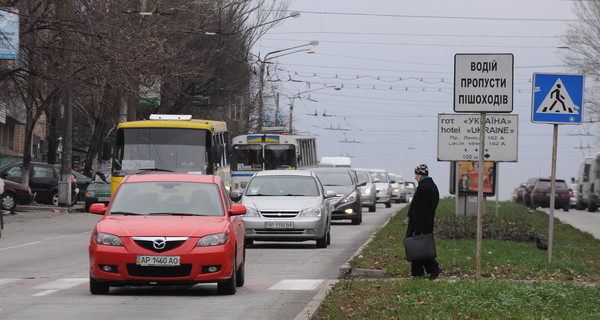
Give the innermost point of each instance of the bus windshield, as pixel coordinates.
(280, 156)
(247, 157)
(179, 150)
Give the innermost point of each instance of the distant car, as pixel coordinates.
(382, 184)
(286, 205)
(398, 188)
(43, 180)
(541, 191)
(98, 191)
(347, 204)
(168, 228)
(14, 193)
(527, 189)
(83, 182)
(368, 190)
(410, 190)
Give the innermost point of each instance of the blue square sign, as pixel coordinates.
(557, 98)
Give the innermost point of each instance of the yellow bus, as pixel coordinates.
(170, 143)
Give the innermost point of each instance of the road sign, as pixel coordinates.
(458, 137)
(557, 98)
(483, 82)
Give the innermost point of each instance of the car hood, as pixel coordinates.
(263, 203)
(168, 226)
(340, 190)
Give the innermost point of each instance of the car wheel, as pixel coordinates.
(54, 198)
(591, 207)
(8, 202)
(87, 207)
(357, 221)
(97, 287)
(328, 237)
(373, 208)
(566, 207)
(322, 242)
(388, 204)
(249, 242)
(241, 272)
(228, 287)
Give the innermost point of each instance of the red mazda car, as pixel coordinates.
(168, 228)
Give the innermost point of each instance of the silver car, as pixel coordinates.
(368, 191)
(286, 205)
(381, 179)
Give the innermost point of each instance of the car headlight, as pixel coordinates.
(396, 190)
(216, 239)
(367, 191)
(107, 239)
(310, 212)
(90, 193)
(251, 212)
(349, 198)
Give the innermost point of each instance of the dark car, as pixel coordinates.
(83, 182)
(348, 203)
(540, 194)
(527, 189)
(43, 180)
(98, 191)
(15, 193)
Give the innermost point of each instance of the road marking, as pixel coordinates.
(59, 284)
(5, 281)
(21, 245)
(297, 284)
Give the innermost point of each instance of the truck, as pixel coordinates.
(588, 184)
(335, 162)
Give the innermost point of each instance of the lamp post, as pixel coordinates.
(297, 95)
(261, 73)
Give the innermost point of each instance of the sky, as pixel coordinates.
(395, 61)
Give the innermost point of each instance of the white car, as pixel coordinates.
(368, 191)
(286, 205)
(381, 179)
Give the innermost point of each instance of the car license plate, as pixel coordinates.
(279, 225)
(157, 261)
(102, 199)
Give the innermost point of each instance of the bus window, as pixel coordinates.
(280, 156)
(247, 157)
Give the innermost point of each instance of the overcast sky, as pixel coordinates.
(395, 60)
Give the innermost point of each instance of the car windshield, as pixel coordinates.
(381, 176)
(546, 184)
(362, 176)
(334, 178)
(282, 186)
(168, 198)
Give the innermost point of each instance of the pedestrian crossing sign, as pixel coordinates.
(557, 98)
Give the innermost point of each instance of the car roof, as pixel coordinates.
(331, 169)
(183, 177)
(377, 170)
(298, 173)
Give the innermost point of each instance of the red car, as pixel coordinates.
(168, 228)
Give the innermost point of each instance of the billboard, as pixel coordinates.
(9, 34)
(468, 178)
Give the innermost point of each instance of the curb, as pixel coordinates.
(311, 308)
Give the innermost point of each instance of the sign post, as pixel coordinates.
(483, 83)
(557, 99)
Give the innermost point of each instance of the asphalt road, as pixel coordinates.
(44, 274)
(580, 219)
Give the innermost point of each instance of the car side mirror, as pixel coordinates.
(362, 184)
(237, 209)
(98, 208)
(235, 195)
(330, 194)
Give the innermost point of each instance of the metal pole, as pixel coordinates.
(291, 130)
(456, 184)
(552, 193)
(480, 196)
(261, 74)
(496, 187)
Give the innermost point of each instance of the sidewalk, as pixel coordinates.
(38, 210)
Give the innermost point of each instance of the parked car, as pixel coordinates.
(168, 228)
(347, 203)
(368, 191)
(14, 193)
(286, 205)
(83, 182)
(540, 194)
(43, 180)
(382, 184)
(98, 191)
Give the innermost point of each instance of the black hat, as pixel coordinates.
(422, 170)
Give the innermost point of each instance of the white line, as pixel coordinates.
(21, 245)
(43, 293)
(5, 281)
(297, 284)
(59, 284)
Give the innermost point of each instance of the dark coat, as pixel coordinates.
(421, 212)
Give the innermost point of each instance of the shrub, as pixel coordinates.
(495, 228)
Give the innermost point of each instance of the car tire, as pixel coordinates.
(388, 204)
(249, 242)
(357, 221)
(328, 237)
(54, 198)
(229, 287)
(322, 242)
(591, 207)
(8, 202)
(566, 207)
(97, 287)
(373, 208)
(241, 272)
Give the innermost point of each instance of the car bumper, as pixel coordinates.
(194, 263)
(544, 201)
(347, 211)
(383, 198)
(307, 228)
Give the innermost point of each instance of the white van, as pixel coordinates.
(588, 184)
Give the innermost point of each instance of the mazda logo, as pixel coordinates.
(159, 244)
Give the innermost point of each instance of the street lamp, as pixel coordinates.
(297, 95)
(261, 73)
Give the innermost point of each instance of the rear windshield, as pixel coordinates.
(546, 185)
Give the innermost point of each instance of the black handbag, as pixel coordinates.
(419, 247)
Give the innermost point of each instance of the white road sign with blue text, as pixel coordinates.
(557, 98)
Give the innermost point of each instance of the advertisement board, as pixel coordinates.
(468, 177)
